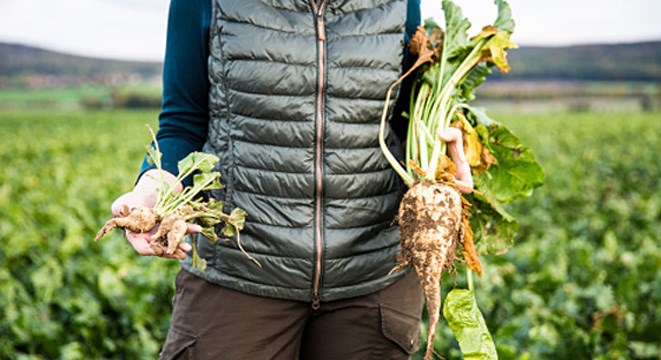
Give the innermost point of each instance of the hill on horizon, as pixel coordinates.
(640, 61)
(22, 60)
(600, 62)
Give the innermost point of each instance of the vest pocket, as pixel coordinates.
(400, 328)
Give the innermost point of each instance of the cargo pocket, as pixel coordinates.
(400, 328)
(179, 345)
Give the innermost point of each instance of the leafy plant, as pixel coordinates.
(173, 210)
(579, 287)
(453, 65)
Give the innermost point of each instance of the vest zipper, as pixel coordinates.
(321, 37)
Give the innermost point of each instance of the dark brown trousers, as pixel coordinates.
(212, 322)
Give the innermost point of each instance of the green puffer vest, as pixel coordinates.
(297, 91)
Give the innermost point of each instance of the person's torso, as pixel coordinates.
(297, 92)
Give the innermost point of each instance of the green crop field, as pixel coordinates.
(50, 97)
(581, 282)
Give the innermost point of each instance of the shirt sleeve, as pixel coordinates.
(184, 118)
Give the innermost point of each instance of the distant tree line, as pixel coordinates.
(611, 62)
(22, 60)
(123, 99)
(617, 62)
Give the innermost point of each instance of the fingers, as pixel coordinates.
(118, 205)
(141, 244)
(464, 187)
(132, 199)
(450, 135)
(193, 228)
(464, 178)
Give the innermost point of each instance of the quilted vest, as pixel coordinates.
(297, 91)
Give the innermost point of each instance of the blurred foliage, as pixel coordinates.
(61, 294)
(84, 97)
(135, 99)
(581, 282)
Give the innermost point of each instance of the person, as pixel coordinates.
(289, 94)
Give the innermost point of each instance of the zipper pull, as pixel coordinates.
(321, 32)
(316, 303)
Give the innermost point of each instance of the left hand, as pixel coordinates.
(453, 137)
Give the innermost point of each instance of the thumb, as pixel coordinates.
(193, 228)
(450, 135)
(126, 202)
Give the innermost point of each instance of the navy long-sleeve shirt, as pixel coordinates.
(184, 118)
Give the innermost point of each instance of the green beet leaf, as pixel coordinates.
(493, 227)
(198, 262)
(456, 31)
(466, 89)
(203, 162)
(504, 21)
(468, 326)
(209, 232)
(516, 172)
(207, 180)
(153, 155)
(235, 222)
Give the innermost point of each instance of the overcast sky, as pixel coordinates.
(135, 29)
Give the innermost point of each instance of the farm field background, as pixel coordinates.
(581, 282)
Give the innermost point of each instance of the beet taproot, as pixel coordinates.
(430, 222)
(137, 219)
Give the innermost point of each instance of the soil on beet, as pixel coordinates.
(430, 220)
(137, 219)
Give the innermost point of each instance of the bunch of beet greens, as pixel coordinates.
(173, 211)
(437, 223)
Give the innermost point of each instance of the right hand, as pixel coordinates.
(453, 137)
(144, 194)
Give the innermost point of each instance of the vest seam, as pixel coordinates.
(281, 226)
(361, 172)
(230, 21)
(264, 144)
(383, 4)
(310, 173)
(253, 251)
(325, 197)
(356, 123)
(265, 94)
(264, 119)
(307, 147)
(270, 61)
(362, 226)
(343, 123)
(330, 95)
(367, 147)
(364, 197)
(271, 4)
(365, 253)
(272, 196)
(348, 35)
(363, 67)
